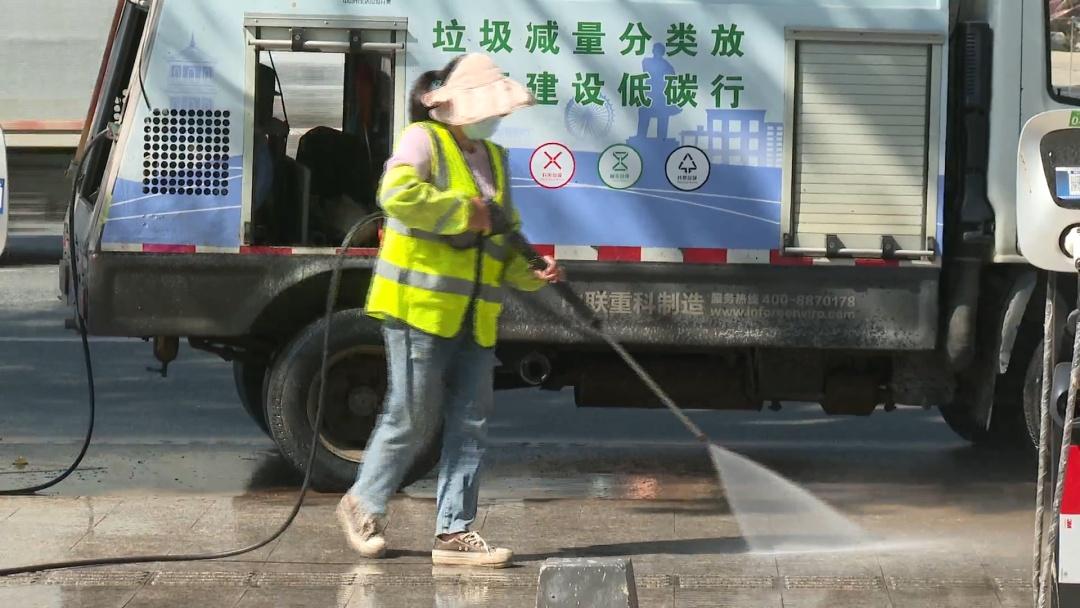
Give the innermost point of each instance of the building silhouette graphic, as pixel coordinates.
(191, 81)
(739, 138)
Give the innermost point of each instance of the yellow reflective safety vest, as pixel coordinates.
(421, 278)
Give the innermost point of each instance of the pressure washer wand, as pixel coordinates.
(591, 323)
(536, 261)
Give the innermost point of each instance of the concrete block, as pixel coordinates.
(587, 583)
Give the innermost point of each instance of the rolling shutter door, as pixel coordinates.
(862, 117)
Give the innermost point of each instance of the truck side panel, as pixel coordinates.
(692, 101)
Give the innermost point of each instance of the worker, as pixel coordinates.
(437, 289)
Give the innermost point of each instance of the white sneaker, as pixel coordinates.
(363, 530)
(469, 549)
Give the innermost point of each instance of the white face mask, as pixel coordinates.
(483, 129)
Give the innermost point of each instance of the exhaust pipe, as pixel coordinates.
(534, 368)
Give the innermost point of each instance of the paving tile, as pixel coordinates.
(452, 596)
(161, 515)
(232, 523)
(314, 537)
(707, 565)
(410, 530)
(656, 598)
(54, 596)
(391, 597)
(22, 545)
(59, 513)
(144, 526)
(8, 508)
(947, 598)
(540, 530)
(172, 596)
(295, 598)
(717, 598)
(1016, 597)
(909, 566)
(829, 565)
(814, 598)
(706, 520)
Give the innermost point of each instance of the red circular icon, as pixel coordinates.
(552, 166)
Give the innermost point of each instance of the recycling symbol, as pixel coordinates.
(688, 165)
(688, 168)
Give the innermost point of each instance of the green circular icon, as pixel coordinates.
(619, 166)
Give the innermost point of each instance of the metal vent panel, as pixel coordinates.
(186, 152)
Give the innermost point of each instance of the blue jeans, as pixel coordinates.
(432, 380)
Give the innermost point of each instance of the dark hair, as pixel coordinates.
(427, 81)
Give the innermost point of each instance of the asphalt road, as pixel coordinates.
(195, 408)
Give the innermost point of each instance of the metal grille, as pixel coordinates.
(186, 152)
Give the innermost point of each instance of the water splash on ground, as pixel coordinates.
(775, 515)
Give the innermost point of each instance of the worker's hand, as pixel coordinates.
(480, 218)
(553, 273)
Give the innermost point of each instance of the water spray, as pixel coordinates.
(757, 496)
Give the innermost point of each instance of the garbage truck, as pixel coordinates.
(794, 200)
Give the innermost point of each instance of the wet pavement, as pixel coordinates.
(178, 467)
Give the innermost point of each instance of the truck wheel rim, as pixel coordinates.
(356, 384)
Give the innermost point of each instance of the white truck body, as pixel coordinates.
(50, 52)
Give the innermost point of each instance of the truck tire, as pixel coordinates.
(964, 426)
(1007, 429)
(1033, 406)
(250, 377)
(356, 386)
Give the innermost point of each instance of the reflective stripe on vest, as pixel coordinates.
(421, 278)
(431, 282)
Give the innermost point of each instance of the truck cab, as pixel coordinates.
(765, 201)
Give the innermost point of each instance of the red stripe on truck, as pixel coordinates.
(545, 249)
(365, 252)
(618, 254)
(776, 258)
(168, 248)
(253, 250)
(870, 262)
(704, 256)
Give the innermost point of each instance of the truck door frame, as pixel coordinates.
(327, 34)
(937, 77)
